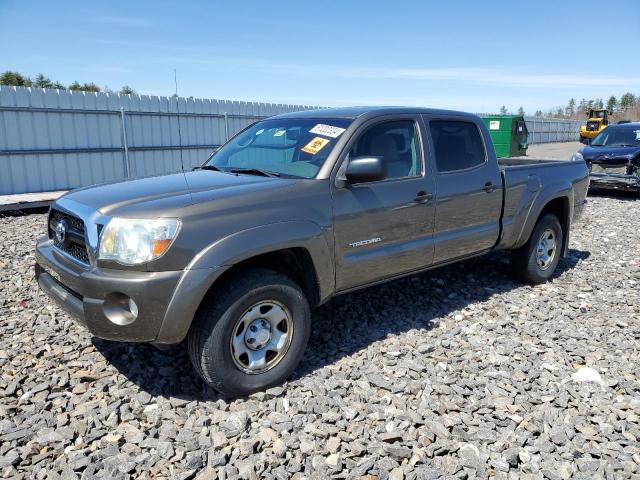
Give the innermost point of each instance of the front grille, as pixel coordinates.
(74, 241)
(593, 126)
(619, 170)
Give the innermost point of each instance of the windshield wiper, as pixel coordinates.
(208, 167)
(254, 171)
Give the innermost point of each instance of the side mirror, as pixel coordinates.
(365, 169)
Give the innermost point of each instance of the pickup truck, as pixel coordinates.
(292, 211)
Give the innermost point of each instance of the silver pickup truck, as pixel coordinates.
(292, 211)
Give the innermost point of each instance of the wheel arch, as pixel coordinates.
(304, 256)
(559, 205)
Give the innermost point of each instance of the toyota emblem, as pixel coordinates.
(61, 231)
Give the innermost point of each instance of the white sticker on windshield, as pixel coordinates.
(260, 131)
(327, 130)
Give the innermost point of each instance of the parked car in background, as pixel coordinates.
(290, 212)
(613, 157)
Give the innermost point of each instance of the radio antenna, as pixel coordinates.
(175, 81)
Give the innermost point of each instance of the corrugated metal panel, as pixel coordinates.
(546, 130)
(58, 140)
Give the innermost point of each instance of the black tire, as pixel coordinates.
(209, 339)
(524, 260)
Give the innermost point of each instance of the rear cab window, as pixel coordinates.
(457, 145)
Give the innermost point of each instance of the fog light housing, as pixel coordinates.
(120, 308)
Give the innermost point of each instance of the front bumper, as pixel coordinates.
(614, 181)
(589, 133)
(163, 302)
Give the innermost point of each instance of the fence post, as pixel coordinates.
(125, 147)
(226, 126)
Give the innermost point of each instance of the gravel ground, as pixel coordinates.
(553, 151)
(458, 373)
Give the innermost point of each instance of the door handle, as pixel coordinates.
(423, 197)
(488, 187)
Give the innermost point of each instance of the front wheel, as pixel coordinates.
(536, 260)
(251, 333)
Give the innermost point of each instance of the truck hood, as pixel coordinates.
(130, 197)
(609, 154)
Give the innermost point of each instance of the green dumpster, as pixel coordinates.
(509, 134)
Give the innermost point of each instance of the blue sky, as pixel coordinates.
(469, 55)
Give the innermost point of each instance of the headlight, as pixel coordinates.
(132, 241)
(577, 156)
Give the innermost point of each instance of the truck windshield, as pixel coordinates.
(287, 147)
(617, 137)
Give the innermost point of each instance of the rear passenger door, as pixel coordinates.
(469, 189)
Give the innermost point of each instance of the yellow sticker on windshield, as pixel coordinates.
(279, 133)
(315, 145)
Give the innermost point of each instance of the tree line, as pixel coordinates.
(627, 107)
(16, 79)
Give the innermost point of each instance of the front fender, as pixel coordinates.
(208, 265)
(254, 241)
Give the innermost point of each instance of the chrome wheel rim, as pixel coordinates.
(261, 337)
(546, 252)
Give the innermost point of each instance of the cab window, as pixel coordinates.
(458, 145)
(397, 143)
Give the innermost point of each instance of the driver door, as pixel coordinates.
(385, 228)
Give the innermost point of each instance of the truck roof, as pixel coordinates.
(355, 112)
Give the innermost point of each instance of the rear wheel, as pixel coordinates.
(251, 334)
(536, 260)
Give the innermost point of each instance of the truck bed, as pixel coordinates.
(527, 179)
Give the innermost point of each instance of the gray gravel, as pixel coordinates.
(553, 151)
(458, 373)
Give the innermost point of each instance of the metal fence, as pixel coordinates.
(57, 140)
(547, 130)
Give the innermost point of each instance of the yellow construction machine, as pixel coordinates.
(598, 120)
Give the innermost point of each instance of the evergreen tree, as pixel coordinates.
(42, 82)
(85, 87)
(627, 100)
(15, 79)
